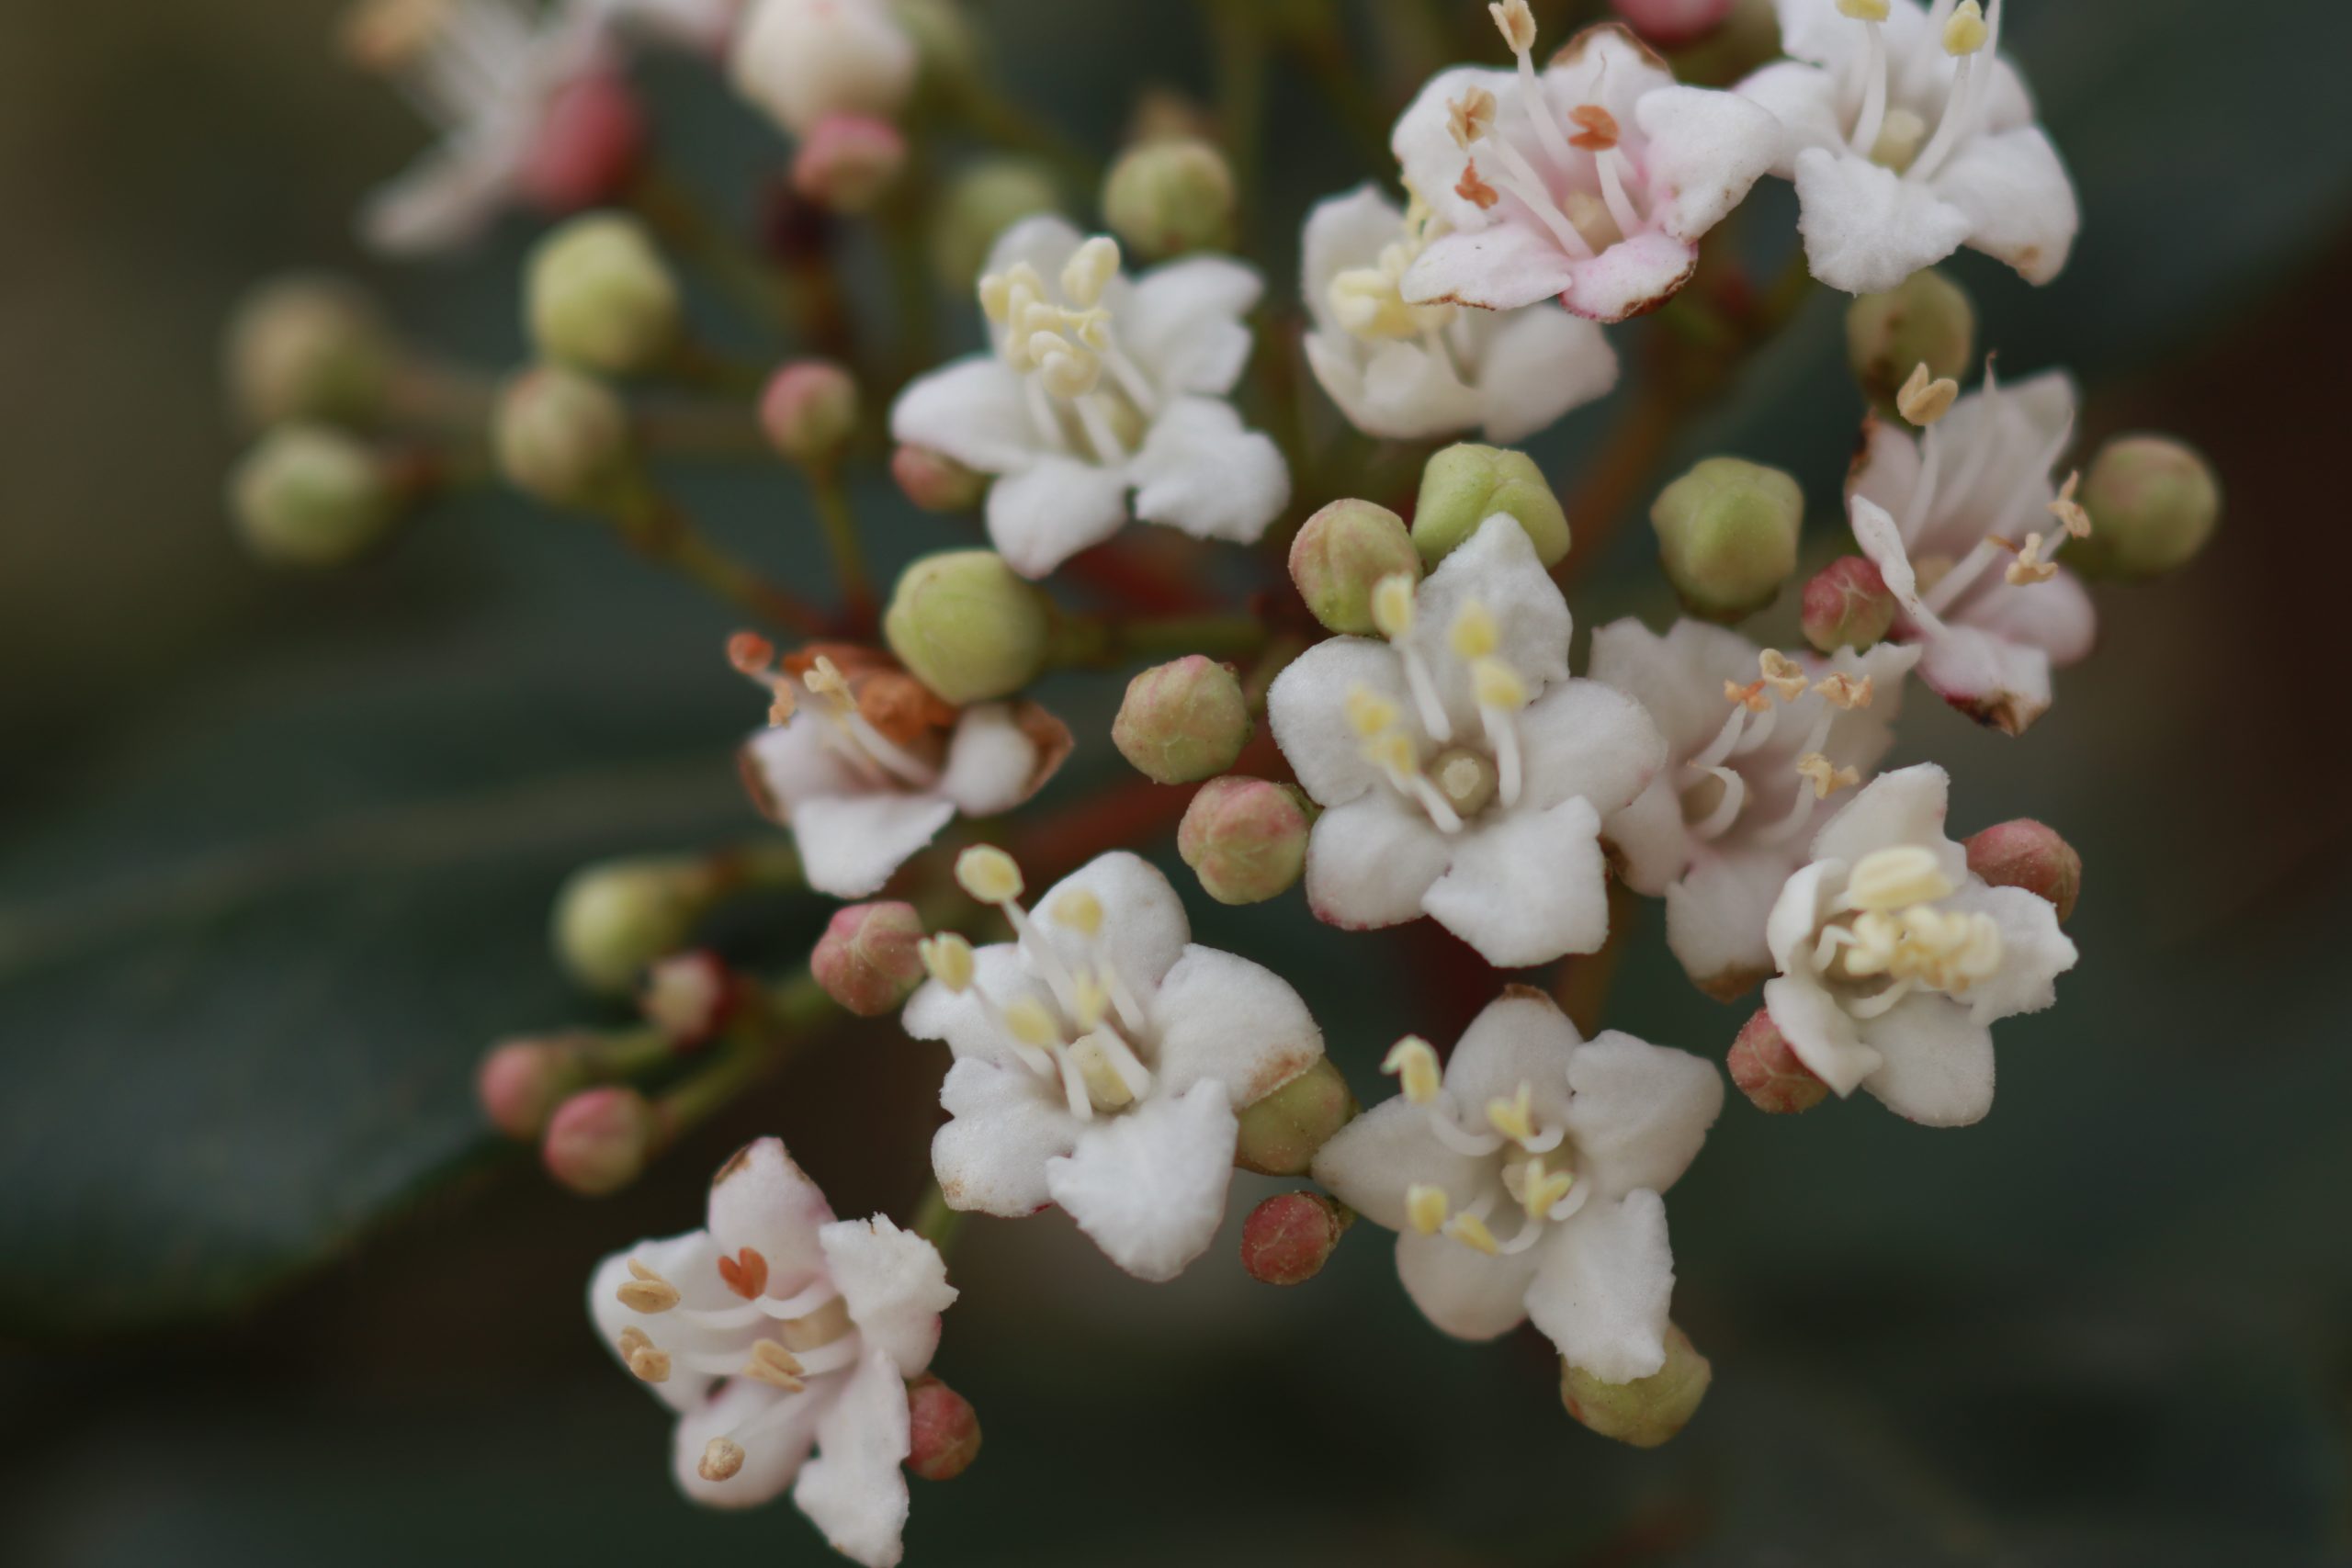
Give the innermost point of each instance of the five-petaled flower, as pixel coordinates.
(1526, 1183)
(777, 1329)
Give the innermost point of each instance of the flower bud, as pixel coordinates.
(1765, 1066)
(1183, 721)
(599, 295)
(307, 348)
(802, 60)
(561, 436)
(1340, 553)
(310, 495)
(867, 959)
(944, 1430)
(691, 996)
(809, 411)
(1280, 1133)
(598, 1141)
(590, 140)
(1671, 24)
(1163, 199)
(945, 49)
(935, 481)
(1465, 485)
(1847, 604)
(968, 625)
(614, 918)
(1245, 837)
(848, 161)
(987, 197)
(1647, 1411)
(2024, 853)
(1924, 320)
(1288, 1238)
(521, 1082)
(2152, 503)
(1727, 535)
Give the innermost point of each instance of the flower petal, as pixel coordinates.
(1706, 151)
(1462, 1292)
(1585, 740)
(991, 760)
(1906, 807)
(1148, 1185)
(1307, 709)
(1200, 471)
(1820, 1032)
(1496, 567)
(1803, 99)
(1342, 231)
(1520, 1037)
(771, 1458)
(1937, 1061)
(1370, 1162)
(1006, 1125)
(973, 409)
(448, 198)
(1528, 889)
(1631, 277)
(1225, 1019)
(1604, 1286)
(1183, 321)
(1995, 682)
(1640, 1112)
(893, 1284)
(1678, 678)
(763, 1201)
(1866, 228)
(2019, 203)
(786, 763)
(1424, 145)
(2055, 615)
(1370, 863)
(1041, 516)
(1144, 929)
(854, 1490)
(1715, 915)
(1536, 364)
(935, 1013)
(850, 844)
(1397, 391)
(1045, 241)
(1500, 267)
(2034, 951)
(690, 1262)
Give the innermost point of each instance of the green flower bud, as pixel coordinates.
(600, 297)
(1727, 532)
(1465, 485)
(982, 202)
(616, 916)
(1647, 1411)
(1281, 1133)
(310, 495)
(561, 436)
(809, 411)
(945, 49)
(2152, 503)
(1924, 320)
(1245, 837)
(307, 348)
(1163, 199)
(968, 625)
(1183, 721)
(1341, 553)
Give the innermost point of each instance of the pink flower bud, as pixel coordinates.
(589, 144)
(2024, 853)
(1670, 23)
(848, 160)
(935, 481)
(943, 1428)
(809, 411)
(691, 996)
(1767, 1070)
(1245, 837)
(1183, 721)
(1281, 1133)
(1288, 1238)
(1847, 604)
(599, 1140)
(521, 1081)
(1647, 1411)
(867, 960)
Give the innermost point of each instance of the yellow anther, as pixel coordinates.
(1473, 634)
(1369, 713)
(1540, 1188)
(1031, 1023)
(988, 874)
(1089, 999)
(1842, 691)
(772, 1364)
(1784, 675)
(1750, 697)
(1925, 398)
(1514, 1117)
(1472, 1232)
(1497, 686)
(948, 957)
(1394, 750)
(646, 1291)
(996, 297)
(720, 1459)
(645, 1361)
(2029, 568)
(1425, 1207)
(1826, 777)
(1105, 1087)
(1392, 605)
(1895, 878)
(1369, 304)
(1090, 270)
(2069, 511)
(1470, 116)
(1516, 23)
(1965, 33)
(1413, 1062)
(1078, 909)
(1864, 10)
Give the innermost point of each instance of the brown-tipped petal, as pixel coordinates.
(1766, 1069)
(1288, 1238)
(2027, 854)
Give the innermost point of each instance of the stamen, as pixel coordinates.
(1090, 270)
(1369, 713)
(1104, 1086)
(1612, 166)
(988, 874)
(1471, 1232)
(948, 957)
(1424, 1208)
(1460, 1139)
(721, 1461)
(1728, 806)
(1514, 1117)
(1392, 616)
(1826, 778)
(1474, 190)
(1031, 1024)
(1870, 14)
(746, 1273)
(1965, 33)
(1516, 23)
(1750, 697)
(2069, 511)
(774, 1365)
(1596, 128)
(1392, 605)
(647, 1291)
(1078, 909)
(1923, 398)
(1470, 116)
(1842, 691)
(2029, 568)
(1784, 675)
(1412, 1061)
(1897, 877)
(646, 1360)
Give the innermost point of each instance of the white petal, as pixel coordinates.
(1343, 232)
(1200, 471)
(1586, 740)
(1225, 1019)
(973, 409)
(1988, 677)
(1430, 161)
(1820, 1032)
(1006, 1125)
(1520, 1037)
(1906, 807)
(1654, 844)
(1183, 322)
(2034, 951)
(772, 1456)
(1370, 1162)
(992, 761)
(1307, 710)
(1604, 1286)
(850, 844)
(1715, 914)
(1148, 1185)
(1803, 99)
(998, 972)
(1496, 567)
(789, 763)
(763, 1201)
(1678, 677)
(1938, 1061)
(1865, 227)
(1143, 929)
(1640, 1112)
(893, 1284)
(1535, 365)
(448, 197)
(690, 1262)
(1528, 889)
(1398, 390)
(1888, 476)
(1706, 151)
(1501, 267)
(2019, 203)
(2054, 615)
(1041, 516)
(1462, 1292)
(1633, 276)
(1370, 863)
(854, 1490)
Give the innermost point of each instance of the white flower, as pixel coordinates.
(1402, 372)
(1963, 521)
(1593, 181)
(1748, 767)
(1101, 1059)
(1097, 386)
(776, 1329)
(1464, 775)
(1896, 959)
(1527, 1184)
(867, 766)
(803, 60)
(1909, 138)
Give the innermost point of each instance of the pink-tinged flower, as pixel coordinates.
(1909, 137)
(1757, 745)
(1101, 1060)
(784, 1339)
(1963, 520)
(803, 60)
(1896, 959)
(1096, 386)
(1525, 1183)
(1464, 775)
(1593, 181)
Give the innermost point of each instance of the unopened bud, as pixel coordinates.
(968, 625)
(1341, 553)
(307, 348)
(591, 141)
(801, 62)
(1183, 721)
(945, 49)
(1647, 1411)
(1288, 1238)
(2152, 503)
(809, 411)
(1671, 24)
(599, 295)
(616, 916)
(935, 481)
(1847, 604)
(1280, 1133)
(691, 996)
(311, 495)
(561, 436)
(521, 1082)
(1765, 1066)
(987, 197)
(1924, 320)
(2025, 853)
(1465, 485)
(848, 161)
(1164, 198)
(943, 1430)
(1245, 837)
(869, 959)
(1727, 536)
(598, 1141)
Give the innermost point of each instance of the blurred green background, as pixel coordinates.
(277, 852)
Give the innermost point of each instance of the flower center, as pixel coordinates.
(1085, 397)
(859, 725)
(1720, 781)
(1896, 137)
(1534, 1166)
(1889, 938)
(1369, 301)
(1465, 776)
(1462, 780)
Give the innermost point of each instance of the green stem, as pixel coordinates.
(659, 529)
(677, 219)
(1094, 642)
(764, 1041)
(935, 1220)
(840, 525)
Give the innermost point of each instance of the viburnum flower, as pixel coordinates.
(1757, 743)
(1464, 775)
(1403, 372)
(1896, 959)
(865, 765)
(776, 1329)
(1593, 181)
(1097, 386)
(1526, 1183)
(1101, 1059)
(1909, 137)
(1962, 521)
(804, 60)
